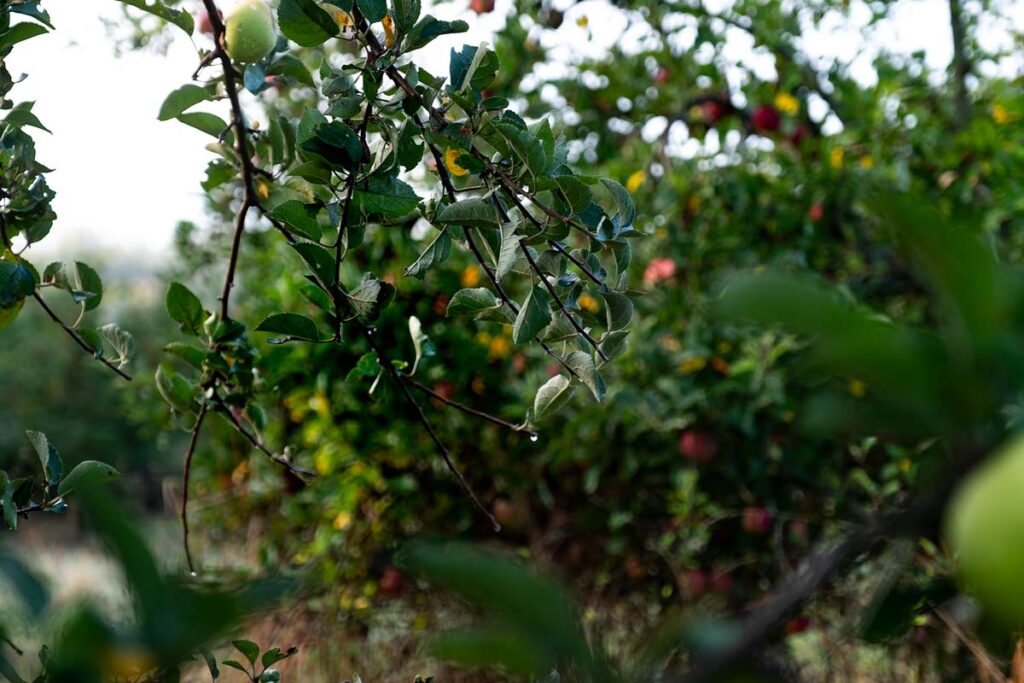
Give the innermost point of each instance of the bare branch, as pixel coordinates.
(192, 442)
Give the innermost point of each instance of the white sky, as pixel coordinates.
(124, 179)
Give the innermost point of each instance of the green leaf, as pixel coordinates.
(178, 393)
(478, 213)
(78, 279)
(407, 12)
(472, 301)
(488, 647)
(16, 283)
(429, 28)
(388, 197)
(509, 252)
(291, 325)
(300, 217)
(435, 253)
(533, 317)
(21, 115)
(18, 33)
(192, 355)
(373, 10)
(623, 201)
(583, 365)
(525, 146)
(305, 23)
(185, 308)
(319, 260)
(211, 124)
(552, 396)
(179, 18)
(9, 314)
(181, 99)
(274, 655)
(248, 648)
(614, 344)
(53, 467)
(87, 473)
(292, 67)
(618, 310)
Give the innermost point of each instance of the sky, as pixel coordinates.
(124, 179)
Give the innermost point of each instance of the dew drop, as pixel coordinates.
(194, 574)
(533, 438)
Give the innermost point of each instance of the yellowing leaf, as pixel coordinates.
(634, 181)
(450, 156)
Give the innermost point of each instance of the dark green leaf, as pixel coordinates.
(304, 22)
(179, 18)
(291, 325)
(533, 317)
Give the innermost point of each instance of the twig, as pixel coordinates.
(961, 64)
(343, 225)
(242, 146)
(561, 305)
(258, 443)
(445, 454)
(78, 338)
(466, 409)
(192, 442)
(768, 618)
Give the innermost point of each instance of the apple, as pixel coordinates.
(985, 532)
(511, 514)
(696, 445)
(757, 520)
(390, 582)
(481, 6)
(694, 582)
(721, 583)
(205, 25)
(816, 212)
(713, 111)
(661, 76)
(799, 134)
(634, 568)
(766, 119)
(797, 625)
(249, 31)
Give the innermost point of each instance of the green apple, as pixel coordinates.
(249, 31)
(985, 530)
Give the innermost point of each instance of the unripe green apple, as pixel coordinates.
(985, 530)
(249, 31)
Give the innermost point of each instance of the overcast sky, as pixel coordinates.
(124, 179)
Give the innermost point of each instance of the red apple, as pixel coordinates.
(390, 582)
(481, 6)
(721, 583)
(797, 625)
(816, 212)
(634, 568)
(205, 25)
(757, 520)
(713, 111)
(799, 134)
(766, 119)
(696, 445)
(694, 582)
(661, 76)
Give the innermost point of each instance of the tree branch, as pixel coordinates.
(78, 338)
(192, 442)
(466, 409)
